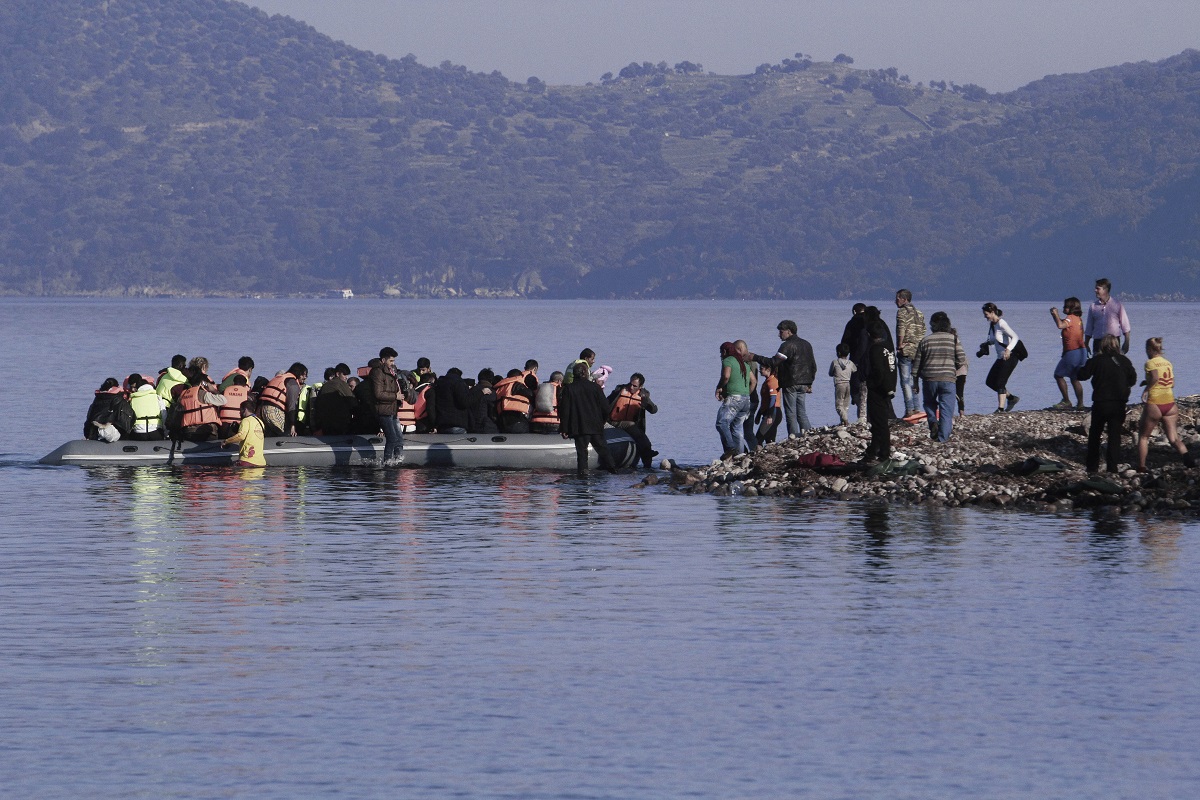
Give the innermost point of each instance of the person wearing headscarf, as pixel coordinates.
(733, 393)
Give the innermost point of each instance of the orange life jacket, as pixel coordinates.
(409, 414)
(275, 393)
(769, 393)
(542, 415)
(236, 371)
(195, 411)
(232, 410)
(509, 400)
(627, 407)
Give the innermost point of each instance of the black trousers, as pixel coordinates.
(1105, 415)
(879, 409)
(513, 422)
(769, 427)
(641, 442)
(596, 440)
(998, 375)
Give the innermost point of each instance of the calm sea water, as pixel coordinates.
(401, 633)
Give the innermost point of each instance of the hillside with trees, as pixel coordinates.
(200, 146)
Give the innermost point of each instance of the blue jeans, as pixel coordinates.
(393, 436)
(794, 411)
(904, 376)
(730, 418)
(940, 399)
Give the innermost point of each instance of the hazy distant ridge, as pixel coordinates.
(175, 145)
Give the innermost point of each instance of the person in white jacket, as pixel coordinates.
(1005, 340)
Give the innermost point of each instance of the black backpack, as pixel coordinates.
(123, 418)
(174, 420)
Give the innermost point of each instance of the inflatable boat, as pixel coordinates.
(470, 450)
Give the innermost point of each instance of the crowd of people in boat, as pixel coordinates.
(757, 393)
(182, 402)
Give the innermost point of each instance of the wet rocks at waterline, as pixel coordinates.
(1031, 460)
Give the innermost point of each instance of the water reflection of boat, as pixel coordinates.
(483, 450)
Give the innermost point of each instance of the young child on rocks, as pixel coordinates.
(840, 370)
(769, 413)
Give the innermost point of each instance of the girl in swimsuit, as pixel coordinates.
(1158, 404)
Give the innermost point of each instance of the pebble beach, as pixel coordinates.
(1027, 460)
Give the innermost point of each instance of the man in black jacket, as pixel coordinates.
(582, 412)
(333, 408)
(1112, 376)
(881, 388)
(481, 406)
(795, 368)
(450, 392)
(854, 336)
(108, 408)
(365, 422)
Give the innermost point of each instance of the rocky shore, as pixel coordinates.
(1029, 460)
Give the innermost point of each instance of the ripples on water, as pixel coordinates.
(399, 633)
(297, 632)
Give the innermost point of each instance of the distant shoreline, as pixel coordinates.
(1125, 297)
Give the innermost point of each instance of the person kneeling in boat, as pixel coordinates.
(333, 410)
(236, 393)
(201, 403)
(148, 410)
(544, 418)
(366, 421)
(587, 357)
(250, 435)
(245, 368)
(630, 403)
(449, 395)
(109, 417)
(279, 402)
(514, 398)
(481, 408)
(420, 416)
(173, 377)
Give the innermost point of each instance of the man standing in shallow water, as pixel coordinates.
(386, 390)
(583, 412)
(1106, 317)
